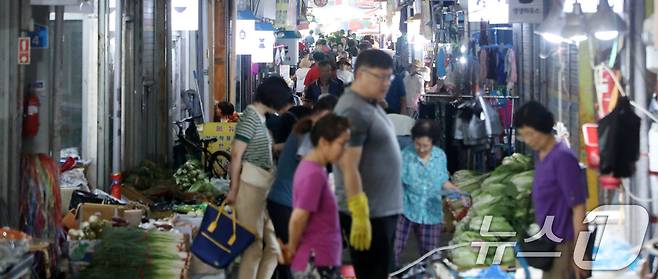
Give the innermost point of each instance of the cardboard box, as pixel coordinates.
(106, 211)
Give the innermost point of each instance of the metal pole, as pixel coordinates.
(116, 98)
(58, 81)
(103, 158)
(637, 66)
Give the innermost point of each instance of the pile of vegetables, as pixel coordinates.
(503, 194)
(190, 178)
(189, 174)
(134, 253)
(89, 230)
(147, 175)
(196, 210)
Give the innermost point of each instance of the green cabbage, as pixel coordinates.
(463, 175)
(489, 204)
(465, 257)
(496, 178)
(523, 181)
(498, 224)
(499, 188)
(509, 257)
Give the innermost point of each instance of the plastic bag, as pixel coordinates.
(619, 140)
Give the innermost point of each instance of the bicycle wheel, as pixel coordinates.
(219, 163)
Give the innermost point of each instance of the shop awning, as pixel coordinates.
(289, 34)
(264, 26)
(246, 15)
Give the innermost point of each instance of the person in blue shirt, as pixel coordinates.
(279, 200)
(425, 177)
(325, 84)
(396, 97)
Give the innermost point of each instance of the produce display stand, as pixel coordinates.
(22, 269)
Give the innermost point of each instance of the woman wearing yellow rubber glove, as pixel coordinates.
(367, 177)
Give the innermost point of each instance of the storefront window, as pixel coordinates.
(71, 98)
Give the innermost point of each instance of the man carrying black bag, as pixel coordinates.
(558, 191)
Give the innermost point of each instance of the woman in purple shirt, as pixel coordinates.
(314, 226)
(558, 191)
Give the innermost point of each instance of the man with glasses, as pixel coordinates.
(368, 182)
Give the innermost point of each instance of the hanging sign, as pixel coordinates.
(39, 37)
(606, 91)
(526, 11)
(493, 11)
(263, 52)
(244, 32)
(24, 50)
(224, 132)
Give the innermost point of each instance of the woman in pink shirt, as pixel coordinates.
(314, 227)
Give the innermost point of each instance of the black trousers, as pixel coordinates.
(280, 216)
(377, 262)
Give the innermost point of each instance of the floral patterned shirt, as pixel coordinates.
(423, 185)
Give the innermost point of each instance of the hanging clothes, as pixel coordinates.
(492, 63)
(510, 68)
(483, 64)
(501, 77)
(402, 50)
(441, 63)
(426, 19)
(619, 140)
(472, 72)
(484, 39)
(492, 120)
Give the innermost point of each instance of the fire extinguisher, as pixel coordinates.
(31, 116)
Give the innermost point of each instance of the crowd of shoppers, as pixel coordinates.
(382, 188)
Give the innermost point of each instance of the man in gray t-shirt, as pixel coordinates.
(380, 163)
(368, 182)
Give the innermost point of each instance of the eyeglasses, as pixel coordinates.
(386, 78)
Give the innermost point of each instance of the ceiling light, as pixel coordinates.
(551, 29)
(575, 28)
(606, 24)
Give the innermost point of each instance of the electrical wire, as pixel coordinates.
(427, 255)
(636, 198)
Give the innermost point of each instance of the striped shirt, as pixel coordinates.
(251, 130)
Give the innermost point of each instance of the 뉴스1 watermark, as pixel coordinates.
(599, 215)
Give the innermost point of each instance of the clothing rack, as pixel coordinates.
(431, 95)
(497, 46)
(472, 155)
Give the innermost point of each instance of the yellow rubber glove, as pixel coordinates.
(361, 232)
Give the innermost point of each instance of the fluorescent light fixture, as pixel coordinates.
(606, 35)
(551, 28)
(606, 24)
(576, 26)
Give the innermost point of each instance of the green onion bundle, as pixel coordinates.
(133, 253)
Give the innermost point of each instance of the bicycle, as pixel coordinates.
(190, 143)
